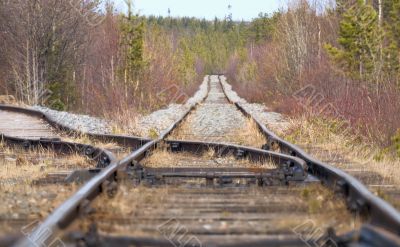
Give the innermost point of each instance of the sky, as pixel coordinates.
(209, 9)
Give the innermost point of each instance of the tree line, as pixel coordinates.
(85, 56)
(77, 55)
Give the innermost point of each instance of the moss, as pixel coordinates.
(153, 133)
(58, 105)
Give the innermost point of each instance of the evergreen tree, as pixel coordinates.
(229, 19)
(392, 51)
(394, 20)
(262, 28)
(132, 42)
(360, 38)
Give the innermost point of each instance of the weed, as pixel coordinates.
(153, 133)
(396, 143)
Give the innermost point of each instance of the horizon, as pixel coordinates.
(240, 10)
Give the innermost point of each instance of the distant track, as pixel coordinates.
(293, 166)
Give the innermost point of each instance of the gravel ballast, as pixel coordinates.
(79, 122)
(212, 120)
(217, 120)
(146, 126)
(214, 111)
(157, 121)
(275, 121)
(160, 120)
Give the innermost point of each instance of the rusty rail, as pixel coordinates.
(357, 195)
(123, 140)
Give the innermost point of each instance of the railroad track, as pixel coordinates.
(32, 184)
(179, 191)
(379, 184)
(39, 158)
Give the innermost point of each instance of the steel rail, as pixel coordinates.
(102, 156)
(297, 167)
(357, 194)
(287, 168)
(122, 241)
(367, 236)
(358, 197)
(106, 178)
(123, 140)
(76, 204)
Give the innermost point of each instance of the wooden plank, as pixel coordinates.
(24, 126)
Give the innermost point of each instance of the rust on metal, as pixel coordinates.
(297, 163)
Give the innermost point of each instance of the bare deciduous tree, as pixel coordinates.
(42, 40)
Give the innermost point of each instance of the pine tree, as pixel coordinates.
(132, 45)
(360, 38)
(392, 51)
(262, 28)
(394, 20)
(228, 22)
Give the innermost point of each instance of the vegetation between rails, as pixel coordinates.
(105, 62)
(26, 196)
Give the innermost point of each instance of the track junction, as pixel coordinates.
(199, 186)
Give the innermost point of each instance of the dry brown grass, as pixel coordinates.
(11, 100)
(326, 141)
(21, 166)
(325, 208)
(163, 158)
(7, 99)
(124, 120)
(119, 151)
(329, 143)
(24, 202)
(248, 135)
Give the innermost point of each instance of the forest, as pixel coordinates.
(84, 56)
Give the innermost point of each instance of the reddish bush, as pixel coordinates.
(375, 114)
